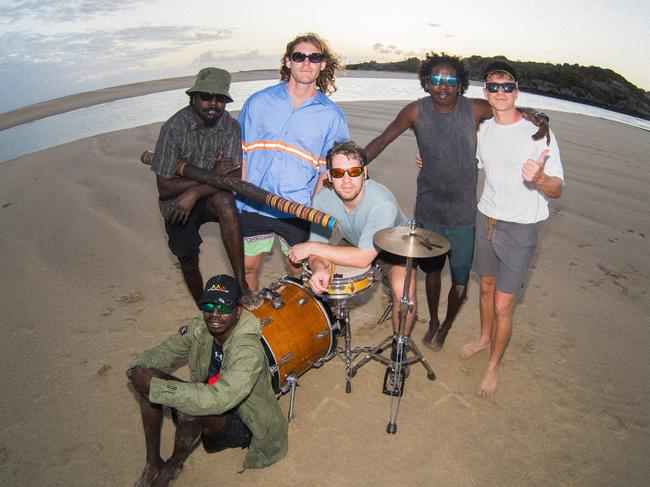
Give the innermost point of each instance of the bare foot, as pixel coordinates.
(472, 348)
(430, 333)
(488, 384)
(251, 300)
(439, 339)
(148, 475)
(167, 474)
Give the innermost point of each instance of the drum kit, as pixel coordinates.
(300, 329)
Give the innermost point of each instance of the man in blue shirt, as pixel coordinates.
(286, 132)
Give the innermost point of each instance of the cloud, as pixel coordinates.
(99, 47)
(62, 11)
(391, 49)
(434, 25)
(35, 67)
(213, 56)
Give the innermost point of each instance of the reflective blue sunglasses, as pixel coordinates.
(436, 80)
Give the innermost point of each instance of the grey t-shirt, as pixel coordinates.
(446, 185)
(377, 210)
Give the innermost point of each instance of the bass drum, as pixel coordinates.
(297, 329)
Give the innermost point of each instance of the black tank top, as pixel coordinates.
(446, 185)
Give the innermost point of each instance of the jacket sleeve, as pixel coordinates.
(170, 354)
(240, 371)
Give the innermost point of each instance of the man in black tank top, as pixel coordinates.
(445, 125)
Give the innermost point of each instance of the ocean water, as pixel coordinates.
(133, 112)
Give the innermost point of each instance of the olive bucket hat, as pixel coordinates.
(212, 80)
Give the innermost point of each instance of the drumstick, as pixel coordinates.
(330, 270)
(250, 191)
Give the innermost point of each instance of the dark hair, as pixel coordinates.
(325, 81)
(433, 59)
(347, 148)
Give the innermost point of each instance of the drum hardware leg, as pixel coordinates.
(291, 384)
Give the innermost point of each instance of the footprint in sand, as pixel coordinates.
(4, 455)
(104, 369)
(132, 297)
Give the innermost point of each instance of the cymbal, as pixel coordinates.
(418, 242)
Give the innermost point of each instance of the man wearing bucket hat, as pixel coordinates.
(204, 135)
(229, 402)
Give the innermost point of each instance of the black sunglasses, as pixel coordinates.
(314, 57)
(210, 96)
(507, 87)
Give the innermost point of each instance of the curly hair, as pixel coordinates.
(325, 82)
(434, 59)
(347, 148)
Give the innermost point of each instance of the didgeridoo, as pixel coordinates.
(250, 191)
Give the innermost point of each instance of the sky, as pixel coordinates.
(52, 48)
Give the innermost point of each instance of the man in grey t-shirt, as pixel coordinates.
(361, 208)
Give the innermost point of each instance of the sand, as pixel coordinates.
(88, 283)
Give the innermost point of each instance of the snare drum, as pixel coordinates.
(347, 281)
(296, 329)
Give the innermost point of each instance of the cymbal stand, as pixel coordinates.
(402, 343)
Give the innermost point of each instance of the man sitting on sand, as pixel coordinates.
(361, 207)
(520, 174)
(228, 403)
(204, 135)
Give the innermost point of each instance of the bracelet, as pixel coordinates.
(543, 116)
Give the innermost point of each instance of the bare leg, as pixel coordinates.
(396, 277)
(188, 434)
(192, 276)
(455, 299)
(504, 304)
(433, 300)
(252, 264)
(222, 204)
(486, 304)
(152, 415)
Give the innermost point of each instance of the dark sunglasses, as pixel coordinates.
(436, 80)
(353, 172)
(222, 309)
(210, 96)
(507, 87)
(314, 57)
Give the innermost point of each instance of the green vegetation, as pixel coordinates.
(583, 84)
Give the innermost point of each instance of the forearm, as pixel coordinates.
(374, 148)
(550, 186)
(350, 256)
(171, 188)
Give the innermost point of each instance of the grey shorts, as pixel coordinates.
(505, 250)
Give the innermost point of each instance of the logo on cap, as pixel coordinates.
(218, 287)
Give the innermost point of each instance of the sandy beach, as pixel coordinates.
(88, 283)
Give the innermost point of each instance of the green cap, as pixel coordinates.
(212, 80)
